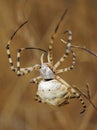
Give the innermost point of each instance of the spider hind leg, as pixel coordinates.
(77, 95)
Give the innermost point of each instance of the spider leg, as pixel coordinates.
(37, 98)
(35, 80)
(88, 91)
(8, 47)
(50, 53)
(17, 69)
(87, 97)
(22, 71)
(62, 81)
(68, 51)
(42, 57)
(72, 93)
(76, 94)
(70, 67)
(63, 103)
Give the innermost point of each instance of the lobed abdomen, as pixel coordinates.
(51, 92)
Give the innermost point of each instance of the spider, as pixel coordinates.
(52, 89)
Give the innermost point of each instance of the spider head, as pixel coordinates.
(46, 72)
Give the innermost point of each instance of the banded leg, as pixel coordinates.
(72, 93)
(8, 47)
(75, 94)
(62, 60)
(82, 102)
(87, 96)
(68, 51)
(17, 69)
(35, 80)
(20, 71)
(50, 51)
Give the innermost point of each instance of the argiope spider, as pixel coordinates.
(51, 88)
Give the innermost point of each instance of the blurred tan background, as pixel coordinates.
(18, 110)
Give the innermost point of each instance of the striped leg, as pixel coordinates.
(23, 71)
(9, 58)
(76, 94)
(86, 96)
(70, 67)
(8, 47)
(71, 93)
(68, 51)
(35, 80)
(50, 52)
(17, 69)
(20, 71)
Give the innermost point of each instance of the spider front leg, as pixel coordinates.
(68, 51)
(20, 71)
(50, 49)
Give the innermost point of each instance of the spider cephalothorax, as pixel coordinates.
(46, 72)
(52, 89)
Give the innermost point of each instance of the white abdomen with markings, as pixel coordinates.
(51, 92)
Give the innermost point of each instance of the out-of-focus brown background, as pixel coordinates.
(18, 110)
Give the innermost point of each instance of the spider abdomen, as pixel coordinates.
(51, 92)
